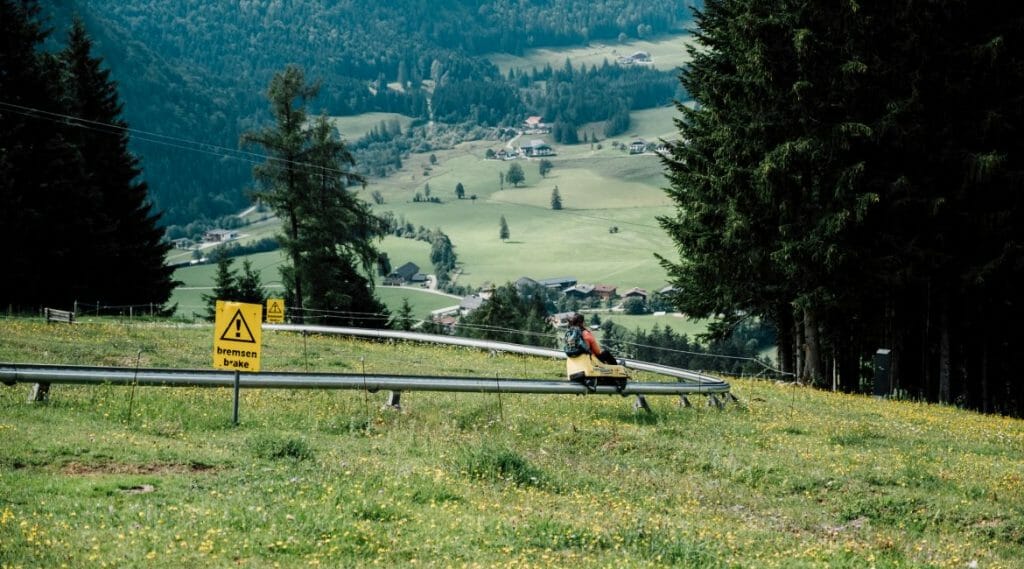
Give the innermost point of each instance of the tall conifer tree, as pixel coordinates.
(328, 230)
(124, 263)
(832, 172)
(73, 208)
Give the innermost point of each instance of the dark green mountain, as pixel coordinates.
(192, 74)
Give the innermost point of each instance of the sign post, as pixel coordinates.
(275, 310)
(236, 342)
(236, 336)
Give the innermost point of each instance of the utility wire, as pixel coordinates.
(232, 153)
(162, 139)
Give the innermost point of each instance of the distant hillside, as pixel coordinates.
(195, 72)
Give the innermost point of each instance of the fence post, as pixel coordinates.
(40, 392)
(234, 411)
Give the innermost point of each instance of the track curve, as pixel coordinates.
(688, 375)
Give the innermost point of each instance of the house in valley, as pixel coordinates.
(407, 273)
(537, 147)
(605, 292)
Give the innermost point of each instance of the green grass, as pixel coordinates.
(421, 301)
(262, 226)
(199, 280)
(792, 478)
(667, 51)
(354, 127)
(679, 324)
(599, 189)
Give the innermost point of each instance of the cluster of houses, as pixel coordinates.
(538, 148)
(641, 146)
(211, 236)
(568, 286)
(534, 148)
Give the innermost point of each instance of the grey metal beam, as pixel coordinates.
(489, 345)
(36, 373)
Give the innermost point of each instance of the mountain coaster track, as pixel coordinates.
(688, 382)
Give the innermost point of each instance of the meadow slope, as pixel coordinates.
(792, 477)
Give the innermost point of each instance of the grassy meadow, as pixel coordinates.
(792, 477)
(668, 52)
(600, 189)
(357, 126)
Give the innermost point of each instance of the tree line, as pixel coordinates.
(853, 174)
(76, 215)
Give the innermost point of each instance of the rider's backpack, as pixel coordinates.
(575, 345)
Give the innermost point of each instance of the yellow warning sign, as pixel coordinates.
(275, 310)
(236, 339)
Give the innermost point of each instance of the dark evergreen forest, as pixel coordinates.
(192, 73)
(76, 214)
(854, 174)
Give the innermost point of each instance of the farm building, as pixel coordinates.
(407, 273)
(635, 292)
(580, 291)
(220, 235)
(605, 292)
(537, 147)
(559, 283)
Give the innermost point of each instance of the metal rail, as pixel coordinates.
(37, 373)
(677, 373)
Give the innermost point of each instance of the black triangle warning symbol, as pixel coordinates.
(275, 308)
(238, 330)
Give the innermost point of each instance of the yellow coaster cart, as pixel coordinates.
(586, 369)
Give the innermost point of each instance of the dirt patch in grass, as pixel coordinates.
(82, 469)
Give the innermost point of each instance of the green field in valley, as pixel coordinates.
(667, 52)
(354, 127)
(791, 477)
(601, 189)
(679, 324)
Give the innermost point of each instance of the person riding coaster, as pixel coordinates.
(587, 363)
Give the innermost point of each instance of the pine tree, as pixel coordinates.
(283, 179)
(70, 189)
(225, 287)
(249, 285)
(556, 199)
(37, 165)
(544, 167)
(403, 319)
(127, 250)
(503, 232)
(329, 231)
(871, 214)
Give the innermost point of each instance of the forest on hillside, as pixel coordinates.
(192, 74)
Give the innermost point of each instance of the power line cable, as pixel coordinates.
(219, 151)
(155, 138)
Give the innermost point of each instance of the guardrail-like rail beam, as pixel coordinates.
(17, 373)
(677, 373)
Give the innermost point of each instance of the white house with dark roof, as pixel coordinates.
(537, 147)
(220, 235)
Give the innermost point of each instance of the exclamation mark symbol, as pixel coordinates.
(238, 327)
